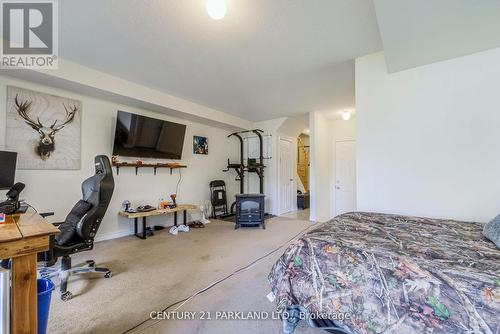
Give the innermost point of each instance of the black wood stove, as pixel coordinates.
(250, 210)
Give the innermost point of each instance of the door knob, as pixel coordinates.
(337, 187)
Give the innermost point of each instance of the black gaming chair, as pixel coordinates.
(79, 228)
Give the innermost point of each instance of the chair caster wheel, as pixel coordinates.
(108, 274)
(66, 296)
(91, 263)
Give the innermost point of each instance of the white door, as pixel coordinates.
(345, 176)
(286, 194)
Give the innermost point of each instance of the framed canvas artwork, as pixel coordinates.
(200, 145)
(44, 129)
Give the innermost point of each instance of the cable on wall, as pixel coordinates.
(178, 182)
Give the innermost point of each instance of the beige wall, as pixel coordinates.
(324, 133)
(59, 190)
(429, 138)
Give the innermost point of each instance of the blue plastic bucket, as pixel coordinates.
(44, 293)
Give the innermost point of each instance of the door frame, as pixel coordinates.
(293, 156)
(334, 176)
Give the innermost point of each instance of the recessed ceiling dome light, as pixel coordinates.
(216, 9)
(346, 115)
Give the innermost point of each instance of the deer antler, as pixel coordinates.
(70, 114)
(23, 109)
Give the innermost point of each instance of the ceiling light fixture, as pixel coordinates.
(346, 115)
(216, 9)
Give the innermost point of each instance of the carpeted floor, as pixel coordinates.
(154, 273)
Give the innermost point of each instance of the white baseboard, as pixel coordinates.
(124, 233)
(112, 235)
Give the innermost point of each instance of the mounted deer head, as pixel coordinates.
(46, 145)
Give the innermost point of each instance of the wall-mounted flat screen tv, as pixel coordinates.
(146, 137)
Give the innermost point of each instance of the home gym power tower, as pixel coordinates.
(253, 166)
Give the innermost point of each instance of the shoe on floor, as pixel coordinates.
(183, 228)
(173, 230)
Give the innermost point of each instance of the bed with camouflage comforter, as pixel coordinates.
(394, 274)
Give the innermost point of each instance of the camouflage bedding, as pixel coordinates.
(394, 274)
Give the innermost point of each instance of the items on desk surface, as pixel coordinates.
(173, 204)
(161, 203)
(167, 205)
(143, 215)
(145, 208)
(126, 205)
(12, 204)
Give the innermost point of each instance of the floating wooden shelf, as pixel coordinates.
(172, 166)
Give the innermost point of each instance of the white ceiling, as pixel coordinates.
(268, 58)
(265, 59)
(419, 32)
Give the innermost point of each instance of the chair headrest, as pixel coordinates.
(102, 165)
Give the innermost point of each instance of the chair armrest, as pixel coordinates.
(48, 214)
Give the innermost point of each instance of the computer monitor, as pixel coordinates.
(7, 169)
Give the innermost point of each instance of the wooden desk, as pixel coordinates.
(22, 236)
(157, 212)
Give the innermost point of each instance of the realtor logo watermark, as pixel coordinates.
(29, 34)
